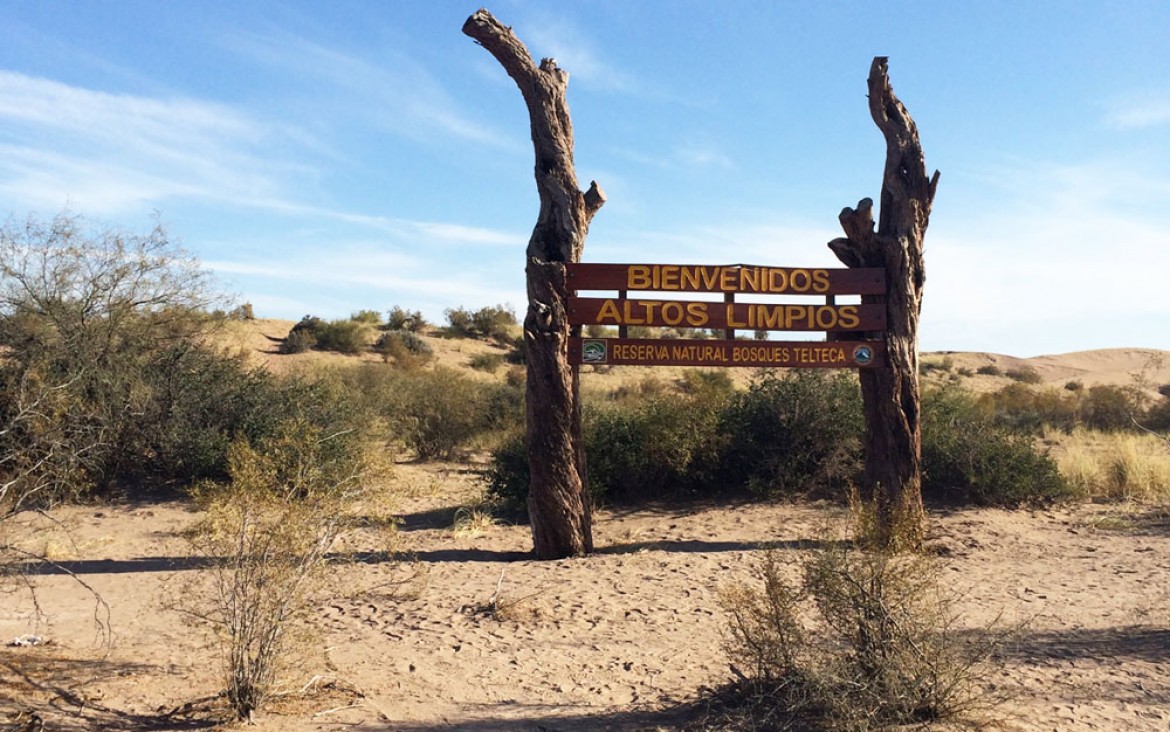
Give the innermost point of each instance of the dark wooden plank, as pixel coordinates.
(723, 316)
(755, 354)
(727, 278)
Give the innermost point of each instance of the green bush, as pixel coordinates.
(1109, 408)
(399, 319)
(437, 413)
(967, 458)
(367, 317)
(1024, 375)
(343, 336)
(404, 347)
(489, 362)
(793, 434)
(298, 341)
(492, 322)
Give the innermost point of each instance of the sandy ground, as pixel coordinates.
(620, 640)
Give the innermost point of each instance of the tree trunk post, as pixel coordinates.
(890, 393)
(558, 501)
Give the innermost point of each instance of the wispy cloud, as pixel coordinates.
(689, 155)
(397, 94)
(109, 152)
(1140, 112)
(548, 35)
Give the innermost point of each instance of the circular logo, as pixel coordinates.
(593, 352)
(863, 355)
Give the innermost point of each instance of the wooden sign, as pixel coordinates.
(718, 315)
(706, 353)
(726, 278)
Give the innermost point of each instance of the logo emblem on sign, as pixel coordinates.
(593, 352)
(863, 355)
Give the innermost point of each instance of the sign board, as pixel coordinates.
(764, 313)
(758, 354)
(718, 315)
(741, 278)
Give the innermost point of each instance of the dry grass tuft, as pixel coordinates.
(1117, 466)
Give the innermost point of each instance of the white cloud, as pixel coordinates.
(551, 36)
(1140, 112)
(398, 94)
(107, 153)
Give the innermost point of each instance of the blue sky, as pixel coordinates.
(329, 157)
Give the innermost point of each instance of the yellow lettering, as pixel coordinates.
(792, 314)
(637, 277)
(689, 278)
(609, 310)
(627, 313)
(670, 277)
(672, 313)
(800, 280)
(848, 317)
(697, 316)
(826, 318)
(650, 306)
(727, 279)
(731, 321)
(777, 280)
(820, 280)
(749, 278)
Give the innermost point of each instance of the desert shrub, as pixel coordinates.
(343, 336)
(267, 532)
(600, 331)
(492, 322)
(1074, 386)
(298, 341)
(966, 371)
(644, 447)
(854, 641)
(1028, 410)
(1024, 375)
(371, 318)
(438, 413)
(84, 313)
(398, 318)
(793, 434)
(946, 363)
(968, 458)
(507, 477)
(662, 445)
(1109, 408)
(1157, 417)
(242, 312)
(404, 348)
(705, 381)
(303, 335)
(488, 362)
(989, 370)
(517, 351)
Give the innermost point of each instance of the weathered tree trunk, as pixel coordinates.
(890, 393)
(558, 501)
